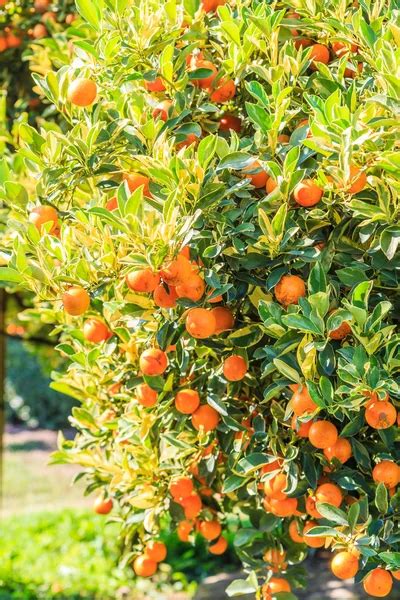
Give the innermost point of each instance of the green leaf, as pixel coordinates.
(9, 275)
(332, 513)
(240, 587)
(90, 11)
(233, 482)
(236, 161)
(287, 371)
(381, 499)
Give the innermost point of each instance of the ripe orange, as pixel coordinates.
(95, 331)
(82, 92)
(283, 138)
(224, 91)
(276, 558)
(143, 280)
(311, 507)
(341, 48)
(357, 180)
(281, 508)
(162, 110)
(273, 488)
(157, 85)
(274, 586)
(39, 31)
(69, 19)
(181, 488)
(302, 403)
(165, 297)
(323, 434)
(210, 530)
(271, 185)
(205, 418)
(275, 465)
(353, 70)
(193, 288)
(211, 5)
(378, 583)
(289, 289)
(396, 574)
(153, 362)
(341, 450)
(13, 40)
(146, 396)
(192, 506)
(41, 6)
(386, 472)
(312, 541)
(234, 368)
(191, 138)
(183, 530)
(112, 204)
(187, 401)
(329, 493)
(219, 547)
(307, 193)
(200, 323)
(44, 214)
(302, 429)
(344, 565)
(319, 53)
(3, 43)
(258, 177)
(224, 319)
(340, 332)
(144, 566)
(294, 532)
(380, 414)
(76, 300)
(156, 551)
(136, 180)
(102, 506)
(178, 271)
(207, 81)
(228, 122)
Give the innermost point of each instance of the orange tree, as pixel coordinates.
(215, 240)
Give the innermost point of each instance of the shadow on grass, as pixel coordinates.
(29, 446)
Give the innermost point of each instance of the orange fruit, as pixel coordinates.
(145, 395)
(274, 586)
(144, 566)
(38, 32)
(234, 368)
(200, 323)
(341, 450)
(396, 574)
(294, 532)
(329, 493)
(319, 53)
(153, 362)
(378, 583)
(357, 180)
(353, 70)
(157, 85)
(178, 271)
(311, 507)
(82, 92)
(224, 319)
(312, 541)
(275, 465)
(276, 558)
(340, 332)
(307, 193)
(165, 297)
(143, 280)
(283, 138)
(344, 565)
(205, 418)
(95, 331)
(44, 214)
(273, 488)
(181, 488)
(191, 138)
(183, 530)
(210, 530)
(301, 429)
(219, 547)
(162, 110)
(156, 551)
(301, 402)
(228, 122)
(41, 6)
(386, 472)
(192, 506)
(76, 300)
(271, 185)
(112, 204)
(193, 288)
(289, 289)
(224, 91)
(211, 5)
(136, 180)
(187, 401)
(69, 19)
(323, 434)
(281, 508)
(207, 81)
(3, 43)
(13, 40)
(102, 506)
(341, 48)
(380, 414)
(258, 177)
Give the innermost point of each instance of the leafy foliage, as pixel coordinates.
(330, 333)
